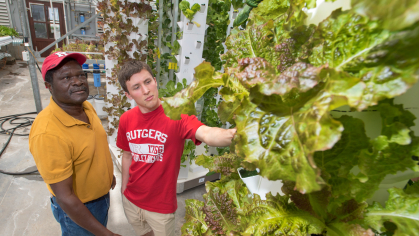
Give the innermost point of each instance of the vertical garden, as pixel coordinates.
(290, 88)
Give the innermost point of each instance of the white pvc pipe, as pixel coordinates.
(53, 21)
(65, 21)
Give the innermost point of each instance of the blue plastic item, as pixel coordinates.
(81, 18)
(96, 66)
(83, 31)
(85, 66)
(96, 78)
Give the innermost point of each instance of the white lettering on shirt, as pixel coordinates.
(145, 133)
(150, 133)
(148, 153)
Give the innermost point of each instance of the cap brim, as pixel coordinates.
(51, 63)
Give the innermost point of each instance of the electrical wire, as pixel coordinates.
(17, 121)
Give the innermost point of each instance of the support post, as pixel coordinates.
(174, 28)
(32, 67)
(160, 33)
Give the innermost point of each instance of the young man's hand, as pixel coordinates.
(214, 136)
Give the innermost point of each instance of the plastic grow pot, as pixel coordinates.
(190, 25)
(261, 186)
(252, 182)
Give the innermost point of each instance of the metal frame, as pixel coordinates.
(38, 54)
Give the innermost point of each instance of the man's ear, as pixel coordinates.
(48, 86)
(128, 96)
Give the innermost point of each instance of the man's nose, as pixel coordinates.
(78, 81)
(145, 90)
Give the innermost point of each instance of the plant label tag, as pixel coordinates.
(172, 66)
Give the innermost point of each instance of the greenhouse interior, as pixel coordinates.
(278, 117)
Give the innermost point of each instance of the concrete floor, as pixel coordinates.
(24, 200)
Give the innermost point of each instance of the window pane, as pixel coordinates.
(38, 13)
(40, 30)
(57, 30)
(50, 17)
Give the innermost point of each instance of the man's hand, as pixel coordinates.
(113, 182)
(214, 136)
(75, 209)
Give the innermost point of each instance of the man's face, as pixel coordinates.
(69, 85)
(142, 87)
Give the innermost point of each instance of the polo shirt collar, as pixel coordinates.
(65, 118)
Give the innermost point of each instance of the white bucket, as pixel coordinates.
(184, 171)
(91, 100)
(99, 104)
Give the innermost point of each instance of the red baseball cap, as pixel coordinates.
(55, 59)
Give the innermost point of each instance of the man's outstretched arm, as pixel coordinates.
(214, 136)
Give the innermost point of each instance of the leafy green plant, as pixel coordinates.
(84, 46)
(244, 14)
(237, 4)
(283, 81)
(116, 15)
(184, 6)
(217, 20)
(7, 31)
(171, 88)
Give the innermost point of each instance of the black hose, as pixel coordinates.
(17, 123)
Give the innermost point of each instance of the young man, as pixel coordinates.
(152, 147)
(70, 149)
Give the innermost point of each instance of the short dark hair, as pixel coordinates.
(130, 68)
(50, 73)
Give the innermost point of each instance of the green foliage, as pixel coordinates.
(217, 20)
(394, 15)
(184, 6)
(237, 4)
(282, 82)
(401, 209)
(225, 164)
(171, 89)
(188, 151)
(184, 101)
(116, 15)
(228, 210)
(7, 31)
(209, 116)
(82, 46)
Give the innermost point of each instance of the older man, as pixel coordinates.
(70, 149)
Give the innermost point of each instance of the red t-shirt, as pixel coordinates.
(156, 144)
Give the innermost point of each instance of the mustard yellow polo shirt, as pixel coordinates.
(63, 146)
